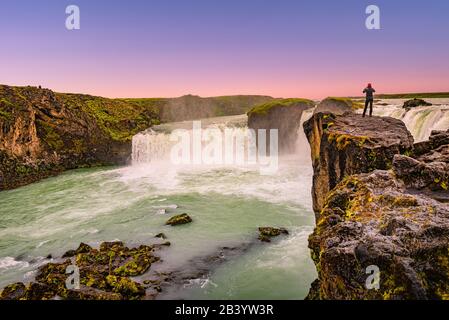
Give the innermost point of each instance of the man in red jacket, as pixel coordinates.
(369, 90)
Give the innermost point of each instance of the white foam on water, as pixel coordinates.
(9, 262)
(420, 121)
(290, 184)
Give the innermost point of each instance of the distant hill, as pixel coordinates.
(420, 95)
(191, 107)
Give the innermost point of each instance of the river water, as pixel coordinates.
(227, 203)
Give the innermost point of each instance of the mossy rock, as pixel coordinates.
(139, 264)
(103, 274)
(39, 291)
(266, 233)
(161, 235)
(267, 107)
(83, 248)
(114, 246)
(126, 287)
(92, 294)
(179, 219)
(14, 291)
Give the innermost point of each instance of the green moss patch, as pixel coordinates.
(266, 107)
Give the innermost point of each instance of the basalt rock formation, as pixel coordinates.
(350, 144)
(266, 233)
(283, 115)
(43, 132)
(382, 231)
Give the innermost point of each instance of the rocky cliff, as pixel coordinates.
(283, 115)
(382, 228)
(350, 144)
(43, 133)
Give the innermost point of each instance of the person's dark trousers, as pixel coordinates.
(370, 103)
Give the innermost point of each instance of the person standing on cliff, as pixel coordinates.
(369, 90)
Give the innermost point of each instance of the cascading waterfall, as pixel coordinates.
(420, 121)
(150, 146)
(154, 145)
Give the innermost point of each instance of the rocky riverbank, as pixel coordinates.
(114, 271)
(382, 211)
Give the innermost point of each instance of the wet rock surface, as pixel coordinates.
(179, 219)
(266, 233)
(387, 225)
(104, 274)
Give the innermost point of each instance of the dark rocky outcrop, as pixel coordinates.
(266, 233)
(179, 219)
(350, 144)
(104, 275)
(43, 133)
(413, 103)
(337, 106)
(283, 115)
(388, 220)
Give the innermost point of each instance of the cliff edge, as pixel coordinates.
(382, 229)
(283, 115)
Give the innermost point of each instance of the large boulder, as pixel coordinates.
(283, 115)
(337, 106)
(413, 103)
(351, 144)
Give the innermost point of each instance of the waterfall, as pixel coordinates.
(156, 144)
(420, 121)
(151, 146)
